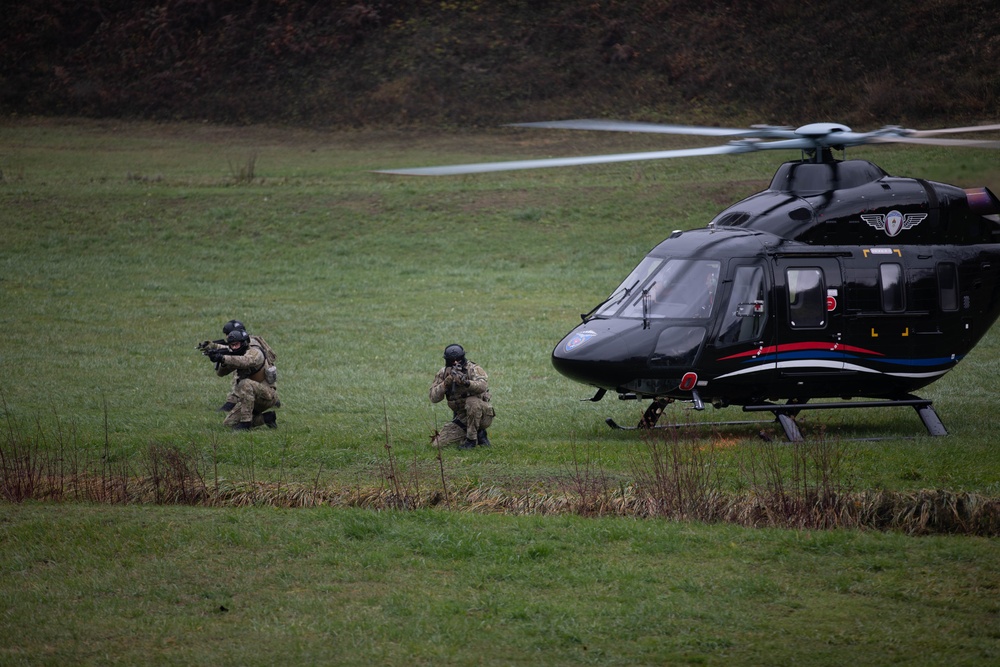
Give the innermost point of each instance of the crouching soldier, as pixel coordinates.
(255, 390)
(464, 384)
(207, 346)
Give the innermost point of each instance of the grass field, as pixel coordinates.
(126, 244)
(264, 586)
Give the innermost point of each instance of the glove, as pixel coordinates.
(216, 355)
(459, 378)
(204, 344)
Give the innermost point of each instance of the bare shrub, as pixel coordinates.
(590, 482)
(797, 484)
(24, 465)
(400, 492)
(677, 475)
(174, 476)
(246, 172)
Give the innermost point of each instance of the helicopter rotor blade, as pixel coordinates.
(485, 167)
(954, 130)
(815, 138)
(757, 131)
(967, 143)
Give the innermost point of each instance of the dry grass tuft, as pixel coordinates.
(921, 513)
(674, 478)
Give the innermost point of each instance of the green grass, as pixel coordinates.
(126, 244)
(258, 586)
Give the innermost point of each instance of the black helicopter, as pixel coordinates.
(838, 281)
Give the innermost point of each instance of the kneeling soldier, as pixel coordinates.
(254, 392)
(464, 384)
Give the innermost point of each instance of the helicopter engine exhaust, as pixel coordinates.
(982, 201)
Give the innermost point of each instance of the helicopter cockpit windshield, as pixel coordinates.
(626, 290)
(665, 288)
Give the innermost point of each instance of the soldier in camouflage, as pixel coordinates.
(254, 391)
(207, 346)
(464, 384)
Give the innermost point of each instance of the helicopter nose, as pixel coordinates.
(594, 354)
(623, 354)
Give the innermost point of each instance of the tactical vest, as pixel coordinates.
(257, 375)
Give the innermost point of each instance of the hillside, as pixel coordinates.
(342, 63)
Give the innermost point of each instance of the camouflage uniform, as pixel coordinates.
(257, 341)
(252, 393)
(470, 404)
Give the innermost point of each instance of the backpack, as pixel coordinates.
(270, 370)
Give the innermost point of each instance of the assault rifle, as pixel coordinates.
(454, 378)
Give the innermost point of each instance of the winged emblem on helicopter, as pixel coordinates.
(838, 286)
(893, 222)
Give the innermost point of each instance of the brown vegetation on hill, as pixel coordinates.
(435, 62)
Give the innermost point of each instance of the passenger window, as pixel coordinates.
(948, 286)
(891, 279)
(746, 313)
(806, 298)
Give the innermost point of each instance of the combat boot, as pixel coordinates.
(227, 406)
(468, 444)
(270, 419)
(243, 426)
(481, 438)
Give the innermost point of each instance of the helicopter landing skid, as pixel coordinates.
(615, 425)
(785, 414)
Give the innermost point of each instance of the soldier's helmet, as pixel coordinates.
(232, 325)
(453, 353)
(239, 338)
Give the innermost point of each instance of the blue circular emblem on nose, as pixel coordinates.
(578, 339)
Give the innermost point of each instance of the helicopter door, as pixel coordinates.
(810, 341)
(747, 311)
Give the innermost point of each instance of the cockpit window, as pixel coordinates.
(629, 287)
(679, 288)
